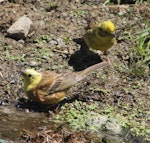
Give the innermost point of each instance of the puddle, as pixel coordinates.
(13, 122)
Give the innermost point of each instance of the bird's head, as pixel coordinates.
(106, 28)
(31, 79)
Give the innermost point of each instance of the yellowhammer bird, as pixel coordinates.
(49, 87)
(101, 37)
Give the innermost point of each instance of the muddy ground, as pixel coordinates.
(55, 43)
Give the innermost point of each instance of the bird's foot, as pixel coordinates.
(109, 62)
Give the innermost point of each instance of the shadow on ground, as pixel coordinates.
(27, 104)
(83, 58)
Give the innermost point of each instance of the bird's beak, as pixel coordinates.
(113, 34)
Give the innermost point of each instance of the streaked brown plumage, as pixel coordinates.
(49, 87)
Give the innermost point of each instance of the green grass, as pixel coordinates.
(139, 63)
(66, 40)
(8, 55)
(76, 115)
(51, 6)
(120, 2)
(79, 13)
(42, 39)
(133, 121)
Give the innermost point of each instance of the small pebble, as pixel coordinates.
(33, 64)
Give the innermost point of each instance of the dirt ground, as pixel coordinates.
(55, 43)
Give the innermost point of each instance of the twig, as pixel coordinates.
(59, 51)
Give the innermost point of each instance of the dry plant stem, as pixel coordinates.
(59, 51)
(1, 75)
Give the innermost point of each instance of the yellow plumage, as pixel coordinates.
(101, 36)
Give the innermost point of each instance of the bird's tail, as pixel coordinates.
(84, 73)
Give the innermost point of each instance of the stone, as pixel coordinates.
(20, 29)
(103, 122)
(33, 64)
(1, 1)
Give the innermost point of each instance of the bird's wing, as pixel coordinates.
(53, 82)
(68, 80)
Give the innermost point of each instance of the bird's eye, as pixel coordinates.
(29, 75)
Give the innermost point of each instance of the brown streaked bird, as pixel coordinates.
(49, 87)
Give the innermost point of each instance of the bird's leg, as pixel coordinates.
(108, 59)
(56, 110)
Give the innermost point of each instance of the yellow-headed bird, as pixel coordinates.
(101, 37)
(49, 87)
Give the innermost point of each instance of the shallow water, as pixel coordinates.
(13, 122)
